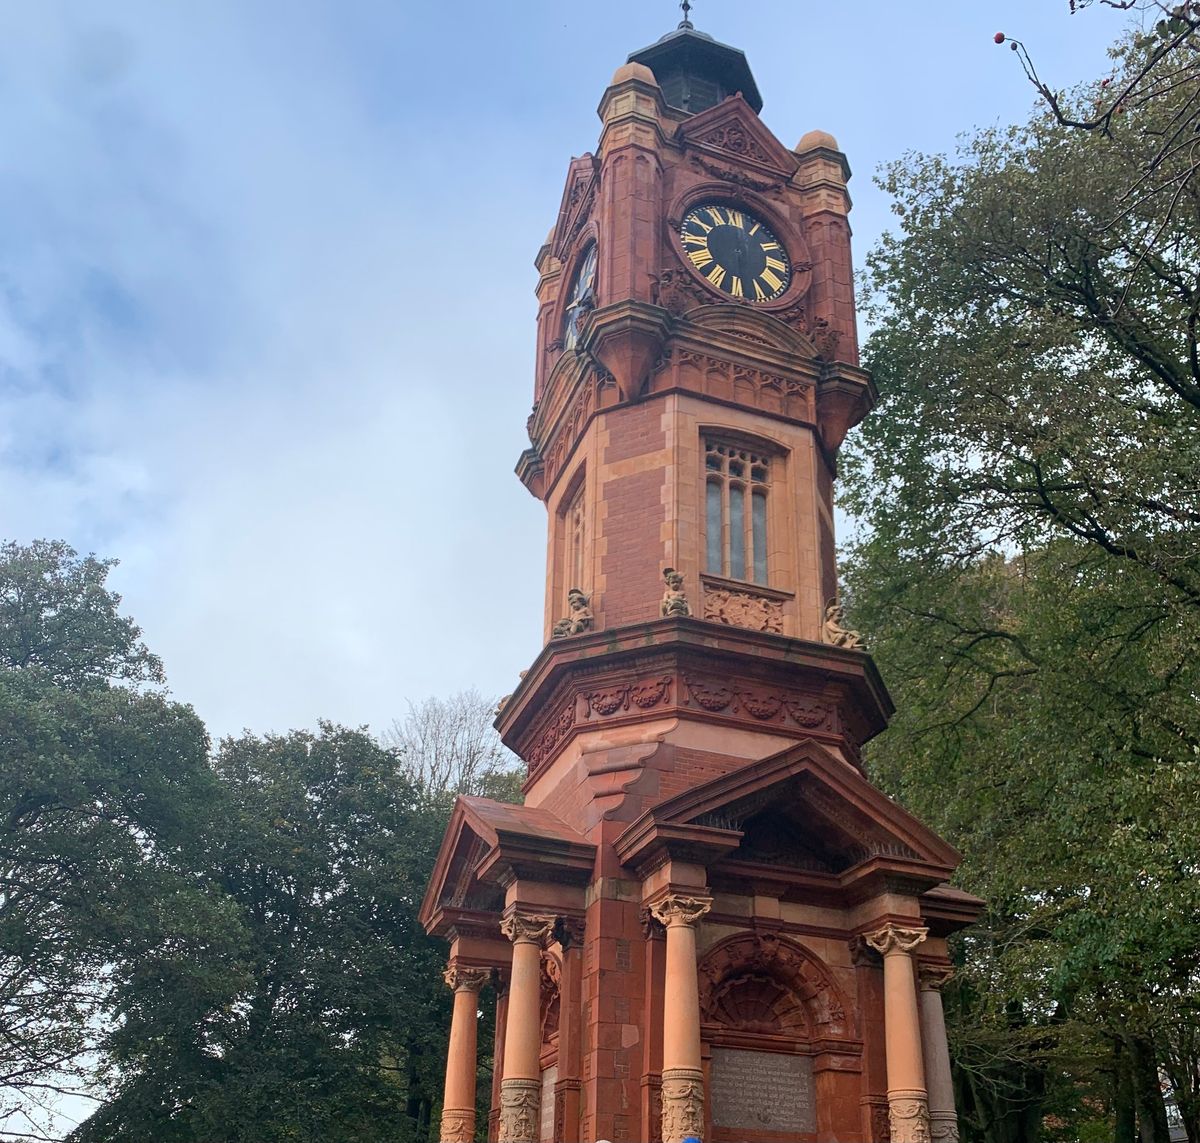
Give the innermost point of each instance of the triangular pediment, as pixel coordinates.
(578, 198)
(486, 844)
(803, 809)
(731, 131)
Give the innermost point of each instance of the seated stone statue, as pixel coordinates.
(579, 616)
(674, 602)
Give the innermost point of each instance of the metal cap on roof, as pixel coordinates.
(696, 72)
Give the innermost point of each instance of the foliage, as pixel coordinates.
(1028, 575)
(57, 615)
(95, 789)
(305, 1002)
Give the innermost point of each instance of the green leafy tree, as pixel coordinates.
(95, 784)
(1028, 573)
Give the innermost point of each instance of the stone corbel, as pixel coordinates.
(677, 909)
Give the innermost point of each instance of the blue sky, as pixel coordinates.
(266, 308)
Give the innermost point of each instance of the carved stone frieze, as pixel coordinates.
(895, 938)
(733, 137)
(555, 732)
(742, 609)
(520, 1106)
(943, 1127)
(644, 695)
(682, 1104)
(736, 177)
(458, 1125)
(881, 1127)
(677, 909)
(733, 374)
(760, 703)
(908, 1117)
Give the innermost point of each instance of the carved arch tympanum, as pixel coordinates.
(765, 983)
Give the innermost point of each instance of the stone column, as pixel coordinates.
(521, 1087)
(908, 1103)
(682, 1076)
(943, 1119)
(458, 1105)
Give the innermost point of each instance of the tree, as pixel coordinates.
(1159, 66)
(96, 786)
(449, 746)
(308, 1005)
(1028, 574)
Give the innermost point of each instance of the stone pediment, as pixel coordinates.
(487, 844)
(801, 813)
(579, 195)
(731, 131)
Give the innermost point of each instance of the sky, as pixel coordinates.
(266, 298)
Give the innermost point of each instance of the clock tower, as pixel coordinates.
(704, 921)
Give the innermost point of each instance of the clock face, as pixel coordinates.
(581, 300)
(735, 252)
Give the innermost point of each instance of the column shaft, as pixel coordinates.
(521, 1087)
(908, 1106)
(682, 1075)
(458, 1103)
(943, 1119)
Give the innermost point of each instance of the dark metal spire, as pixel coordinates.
(687, 7)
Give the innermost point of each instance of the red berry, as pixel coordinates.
(999, 37)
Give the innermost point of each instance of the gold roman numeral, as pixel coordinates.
(696, 220)
(769, 277)
(715, 214)
(736, 291)
(695, 239)
(758, 292)
(768, 245)
(716, 275)
(736, 218)
(775, 264)
(700, 258)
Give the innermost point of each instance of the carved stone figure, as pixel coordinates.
(833, 631)
(674, 602)
(579, 615)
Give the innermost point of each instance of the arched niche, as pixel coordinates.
(763, 984)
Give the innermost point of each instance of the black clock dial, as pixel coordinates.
(735, 252)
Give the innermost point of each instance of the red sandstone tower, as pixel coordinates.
(704, 920)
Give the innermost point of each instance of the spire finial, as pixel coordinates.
(687, 7)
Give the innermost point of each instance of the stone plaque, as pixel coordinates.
(549, 1078)
(762, 1091)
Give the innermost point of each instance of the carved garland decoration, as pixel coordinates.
(520, 1101)
(458, 1125)
(762, 705)
(736, 139)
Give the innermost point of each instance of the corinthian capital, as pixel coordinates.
(934, 977)
(893, 938)
(678, 910)
(534, 928)
(459, 976)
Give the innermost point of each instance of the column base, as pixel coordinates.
(908, 1116)
(682, 1104)
(520, 1110)
(943, 1126)
(458, 1125)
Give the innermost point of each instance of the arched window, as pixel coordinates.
(737, 482)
